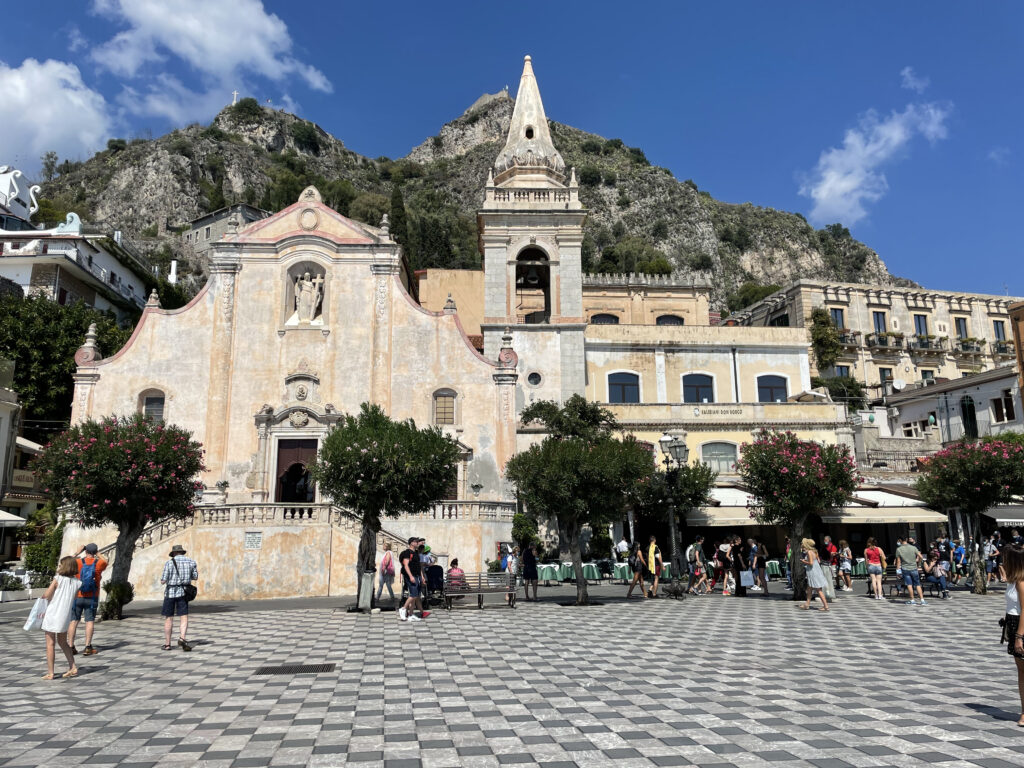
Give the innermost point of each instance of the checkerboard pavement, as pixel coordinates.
(708, 681)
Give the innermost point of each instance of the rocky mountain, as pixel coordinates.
(641, 217)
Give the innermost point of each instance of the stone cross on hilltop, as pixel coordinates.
(234, 97)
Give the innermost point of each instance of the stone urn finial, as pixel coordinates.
(89, 352)
(154, 299)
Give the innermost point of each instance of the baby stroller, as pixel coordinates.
(435, 585)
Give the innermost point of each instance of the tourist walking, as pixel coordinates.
(386, 573)
(530, 575)
(991, 555)
(512, 569)
(908, 556)
(959, 561)
(178, 574)
(845, 565)
(1014, 565)
(60, 597)
(90, 569)
(815, 576)
(739, 567)
(694, 556)
(409, 563)
(761, 566)
(875, 559)
(724, 555)
(654, 565)
(789, 564)
(638, 565)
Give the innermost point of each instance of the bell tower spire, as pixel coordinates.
(529, 151)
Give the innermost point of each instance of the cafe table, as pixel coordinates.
(774, 568)
(622, 571)
(549, 572)
(591, 572)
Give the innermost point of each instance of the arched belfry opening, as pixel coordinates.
(533, 286)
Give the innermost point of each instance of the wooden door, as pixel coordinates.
(294, 458)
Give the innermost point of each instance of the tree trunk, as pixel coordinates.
(124, 551)
(573, 533)
(366, 559)
(978, 575)
(796, 566)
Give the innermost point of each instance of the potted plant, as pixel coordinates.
(12, 588)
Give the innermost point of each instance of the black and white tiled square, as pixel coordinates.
(708, 681)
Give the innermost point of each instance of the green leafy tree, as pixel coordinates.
(792, 479)
(749, 293)
(41, 337)
(379, 467)
(370, 208)
(306, 137)
(843, 389)
(824, 339)
(973, 477)
(116, 145)
(398, 219)
(246, 110)
(632, 251)
(590, 175)
(580, 474)
(524, 530)
(48, 163)
(665, 495)
(126, 472)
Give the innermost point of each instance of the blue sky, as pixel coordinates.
(902, 120)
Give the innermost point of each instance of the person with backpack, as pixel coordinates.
(386, 573)
(90, 569)
(178, 574)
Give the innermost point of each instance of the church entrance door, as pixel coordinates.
(293, 481)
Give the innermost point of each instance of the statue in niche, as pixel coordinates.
(308, 295)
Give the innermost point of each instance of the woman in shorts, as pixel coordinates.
(845, 565)
(638, 566)
(1013, 563)
(875, 558)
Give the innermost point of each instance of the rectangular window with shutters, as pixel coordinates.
(878, 318)
(884, 374)
(842, 370)
(927, 374)
(153, 408)
(444, 409)
(999, 327)
(921, 325)
(836, 314)
(1002, 408)
(961, 327)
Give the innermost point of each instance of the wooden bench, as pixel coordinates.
(480, 584)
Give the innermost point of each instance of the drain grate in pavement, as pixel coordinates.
(295, 669)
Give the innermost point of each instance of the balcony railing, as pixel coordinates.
(967, 347)
(849, 338)
(884, 341)
(1003, 348)
(924, 344)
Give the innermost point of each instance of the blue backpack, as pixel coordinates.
(88, 576)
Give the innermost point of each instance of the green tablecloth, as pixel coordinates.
(860, 567)
(591, 572)
(568, 572)
(622, 571)
(773, 568)
(549, 572)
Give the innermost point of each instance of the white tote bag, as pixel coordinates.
(35, 616)
(746, 579)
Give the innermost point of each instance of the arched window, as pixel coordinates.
(771, 389)
(533, 286)
(604, 319)
(669, 320)
(623, 388)
(719, 456)
(698, 388)
(444, 406)
(151, 405)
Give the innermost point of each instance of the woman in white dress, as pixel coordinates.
(815, 576)
(61, 596)
(1013, 564)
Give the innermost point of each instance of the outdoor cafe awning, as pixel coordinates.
(1007, 514)
(7, 520)
(870, 505)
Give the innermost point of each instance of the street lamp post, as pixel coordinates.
(675, 452)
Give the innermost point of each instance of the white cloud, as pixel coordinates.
(47, 106)
(848, 177)
(910, 80)
(999, 155)
(222, 40)
(166, 96)
(76, 40)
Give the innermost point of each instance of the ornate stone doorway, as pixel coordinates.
(294, 485)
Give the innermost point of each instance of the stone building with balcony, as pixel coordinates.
(308, 314)
(71, 262)
(892, 337)
(203, 231)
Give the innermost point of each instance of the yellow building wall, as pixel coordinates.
(466, 287)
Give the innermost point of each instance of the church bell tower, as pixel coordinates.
(531, 233)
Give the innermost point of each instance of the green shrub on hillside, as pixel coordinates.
(590, 175)
(247, 110)
(306, 137)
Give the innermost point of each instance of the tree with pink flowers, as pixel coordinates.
(790, 480)
(973, 476)
(123, 471)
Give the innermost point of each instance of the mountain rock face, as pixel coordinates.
(640, 216)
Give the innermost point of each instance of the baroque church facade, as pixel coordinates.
(308, 314)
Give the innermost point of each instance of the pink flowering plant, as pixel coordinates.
(973, 476)
(791, 479)
(123, 471)
(376, 466)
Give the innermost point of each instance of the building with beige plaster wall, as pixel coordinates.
(308, 314)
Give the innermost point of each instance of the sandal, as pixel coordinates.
(71, 673)
(48, 676)
(805, 607)
(166, 647)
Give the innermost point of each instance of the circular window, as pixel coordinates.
(534, 378)
(529, 133)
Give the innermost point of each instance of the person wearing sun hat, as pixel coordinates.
(179, 572)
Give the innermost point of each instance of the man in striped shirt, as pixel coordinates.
(179, 571)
